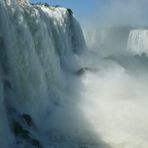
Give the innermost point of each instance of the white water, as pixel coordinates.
(38, 44)
(115, 93)
(115, 103)
(41, 52)
(108, 40)
(138, 42)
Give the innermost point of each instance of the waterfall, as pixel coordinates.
(138, 42)
(108, 40)
(54, 93)
(114, 96)
(38, 43)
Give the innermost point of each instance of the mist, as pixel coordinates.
(59, 90)
(114, 101)
(114, 86)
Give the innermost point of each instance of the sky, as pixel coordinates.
(106, 11)
(83, 9)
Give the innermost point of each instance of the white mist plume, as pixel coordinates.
(73, 103)
(114, 101)
(114, 97)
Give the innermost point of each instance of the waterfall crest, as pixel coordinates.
(36, 43)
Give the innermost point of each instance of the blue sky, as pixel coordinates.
(83, 9)
(106, 11)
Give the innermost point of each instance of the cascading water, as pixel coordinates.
(114, 91)
(38, 44)
(138, 42)
(54, 93)
(108, 40)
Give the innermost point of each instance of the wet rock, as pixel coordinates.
(27, 119)
(36, 143)
(46, 4)
(56, 6)
(19, 131)
(7, 84)
(81, 71)
(69, 11)
(85, 69)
